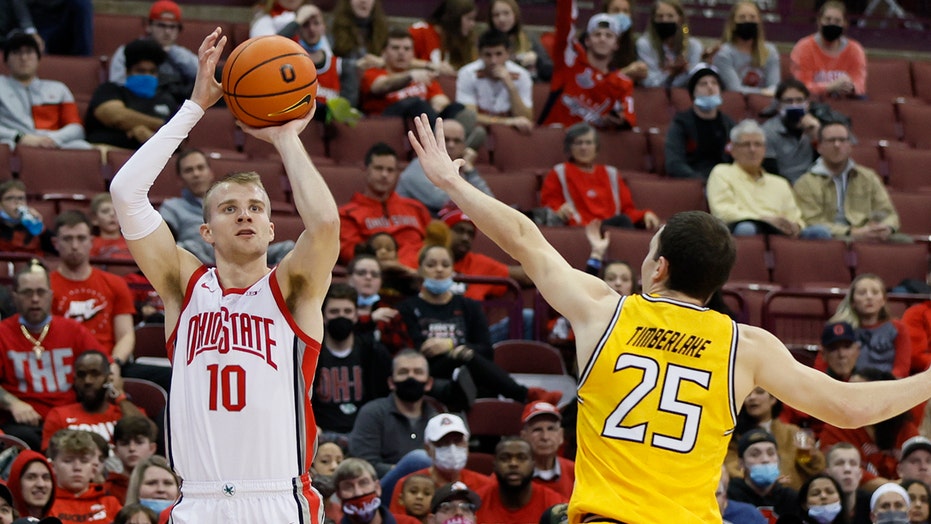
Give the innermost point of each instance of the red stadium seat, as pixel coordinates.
(870, 120)
(625, 150)
(67, 173)
(529, 356)
(111, 31)
(651, 105)
(668, 196)
(753, 261)
(343, 181)
(914, 209)
(518, 190)
(916, 120)
(921, 75)
(892, 262)
(515, 151)
(809, 263)
(888, 79)
(908, 169)
(349, 144)
(82, 74)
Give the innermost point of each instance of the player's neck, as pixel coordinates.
(78, 273)
(241, 275)
(659, 289)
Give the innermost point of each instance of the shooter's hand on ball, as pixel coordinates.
(273, 133)
(206, 88)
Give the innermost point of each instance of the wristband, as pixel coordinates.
(19, 136)
(594, 262)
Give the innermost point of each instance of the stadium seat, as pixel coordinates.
(625, 150)
(888, 79)
(515, 151)
(757, 103)
(908, 169)
(797, 317)
(216, 130)
(82, 74)
(111, 31)
(147, 395)
(870, 121)
(668, 196)
(570, 242)
(195, 31)
(921, 75)
(343, 181)
(651, 105)
(479, 462)
(892, 262)
(448, 85)
(656, 141)
(628, 245)
(287, 227)
(519, 190)
(150, 341)
(809, 263)
(916, 120)
(61, 173)
(753, 261)
(6, 158)
(914, 209)
(167, 185)
(528, 356)
(349, 144)
(541, 91)
(868, 154)
(493, 417)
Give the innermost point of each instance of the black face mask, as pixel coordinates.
(831, 33)
(747, 30)
(410, 390)
(339, 328)
(665, 29)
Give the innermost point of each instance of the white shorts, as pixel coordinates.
(249, 501)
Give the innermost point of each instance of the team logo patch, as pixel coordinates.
(228, 489)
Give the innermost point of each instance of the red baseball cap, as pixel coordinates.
(535, 409)
(165, 10)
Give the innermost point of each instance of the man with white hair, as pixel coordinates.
(750, 200)
(889, 504)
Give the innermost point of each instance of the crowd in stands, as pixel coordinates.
(410, 333)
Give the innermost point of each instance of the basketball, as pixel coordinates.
(269, 80)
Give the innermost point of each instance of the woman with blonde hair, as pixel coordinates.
(448, 35)
(360, 31)
(666, 47)
(526, 50)
(153, 484)
(746, 61)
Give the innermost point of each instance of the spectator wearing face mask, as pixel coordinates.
(828, 62)
(889, 504)
(360, 493)
(446, 441)
(759, 486)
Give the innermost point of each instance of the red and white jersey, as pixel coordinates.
(242, 378)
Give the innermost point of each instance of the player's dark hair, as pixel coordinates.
(379, 149)
(700, 252)
(791, 83)
(129, 428)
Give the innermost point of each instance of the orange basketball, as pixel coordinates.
(268, 80)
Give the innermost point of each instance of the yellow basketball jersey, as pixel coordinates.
(656, 410)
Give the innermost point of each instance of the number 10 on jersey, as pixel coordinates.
(227, 387)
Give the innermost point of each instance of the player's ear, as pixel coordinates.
(206, 234)
(272, 230)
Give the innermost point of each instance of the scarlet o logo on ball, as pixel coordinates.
(269, 80)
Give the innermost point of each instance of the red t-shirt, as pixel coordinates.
(94, 302)
(493, 511)
(470, 478)
(873, 459)
(405, 219)
(328, 85)
(586, 94)
(45, 381)
(591, 193)
(376, 105)
(110, 248)
(73, 416)
(427, 43)
(481, 265)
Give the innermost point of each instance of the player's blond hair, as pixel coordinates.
(244, 178)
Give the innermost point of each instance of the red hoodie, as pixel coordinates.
(94, 505)
(19, 465)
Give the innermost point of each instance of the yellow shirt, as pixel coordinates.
(656, 410)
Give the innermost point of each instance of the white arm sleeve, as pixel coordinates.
(130, 186)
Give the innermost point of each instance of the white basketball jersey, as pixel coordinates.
(242, 377)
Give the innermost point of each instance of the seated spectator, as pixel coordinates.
(446, 440)
(454, 504)
(447, 37)
(184, 215)
(154, 485)
(625, 58)
(499, 90)
(398, 280)
(835, 182)
(365, 276)
(843, 465)
(358, 489)
(915, 462)
(73, 455)
(35, 112)
(889, 504)
(32, 483)
(733, 511)
(666, 47)
(100, 402)
(403, 89)
(512, 497)
(273, 16)
(37, 344)
(820, 501)
(21, 226)
(359, 32)
(839, 351)
(543, 431)
(746, 62)
(761, 410)
(6, 505)
(792, 134)
(580, 190)
(884, 341)
(127, 115)
(378, 208)
(697, 138)
(135, 514)
(417, 491)
(108, 242)
(351, 370)
(748, 199)
(759, 460)
(584, 89)
(413, 182)
(827, 62)
(176, 74)
(134, 440)
(879, 444)
(918, 494)
(66, 26)
(526, 49)
(917, 318)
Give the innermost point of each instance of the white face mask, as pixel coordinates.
(451, 458)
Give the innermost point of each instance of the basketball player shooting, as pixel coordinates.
(662, 377)
(243, 339)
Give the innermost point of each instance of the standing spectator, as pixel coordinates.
(21, 226)
(697, 138)
(847, 199)
(32, 483)
(584, 89)
(497, 89)
(35, 112)
(625, 58)
(791, 135)
(176, 74)
(447, 37)
(127, 115)
(66, 26)
(543, 431)
(38, 354)
(413, 183)
(666, 47)
(360, 32)
(273, 16)
(748, 199)
(154, 485)
(580, 190)
(746, 61)
(185, 215)
(378, 208)
(759, 460)
(526, 49)
(73, 454)
(884, 341)
(513, 497)
(828, 62)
